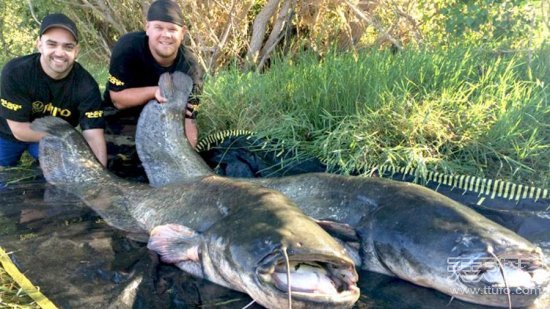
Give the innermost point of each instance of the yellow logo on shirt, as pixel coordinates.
(115, 81)
(54, 111)
(37, 107)
(11, 106)
(94, 114)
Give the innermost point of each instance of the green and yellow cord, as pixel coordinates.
(488, 187)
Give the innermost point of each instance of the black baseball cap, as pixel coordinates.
(165, 10)
(58, 20)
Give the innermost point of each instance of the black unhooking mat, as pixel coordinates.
(52, 239)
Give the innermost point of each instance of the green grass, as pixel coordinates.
(99, 70)
(459, 111)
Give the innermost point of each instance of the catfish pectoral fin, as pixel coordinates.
(344, 232)
(174, 243)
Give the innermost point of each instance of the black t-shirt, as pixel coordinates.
(27, 93)
(132, 65)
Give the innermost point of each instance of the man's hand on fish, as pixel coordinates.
(159, 97)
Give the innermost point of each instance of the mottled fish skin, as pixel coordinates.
(230, 232)
(404, 230)
(419, 235)
(160, 127)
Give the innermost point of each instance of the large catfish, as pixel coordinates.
(236, 234)
(402, 229)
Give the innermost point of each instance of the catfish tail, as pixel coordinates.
(65, 157)
(182, 83)
(162, 146)
(68, 163)
(176, 87)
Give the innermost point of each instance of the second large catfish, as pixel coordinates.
(399, 229)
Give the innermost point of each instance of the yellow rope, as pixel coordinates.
(24, 282)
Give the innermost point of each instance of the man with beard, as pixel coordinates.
(49, 83)
(137, 62)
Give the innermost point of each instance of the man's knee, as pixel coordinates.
(10, 152)
(7, 161)
(33, 150)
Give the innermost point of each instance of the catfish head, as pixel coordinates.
(274, 253)
(455, 250)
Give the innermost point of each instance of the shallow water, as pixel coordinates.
(80, 262)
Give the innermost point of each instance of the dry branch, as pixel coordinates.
(31, 9)
(259, 29)
(385, 34)
(275, 35)
(248, 32)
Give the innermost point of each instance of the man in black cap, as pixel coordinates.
(49, 82)
(139, 58)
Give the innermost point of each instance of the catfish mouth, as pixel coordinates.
(517, 279)
(329, 281)
(511, 272)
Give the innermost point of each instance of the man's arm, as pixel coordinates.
(96, 140)
(23, 132)
(132, 97)
(191, 131)
(139, 96)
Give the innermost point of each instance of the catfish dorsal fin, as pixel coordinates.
(174, 243)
